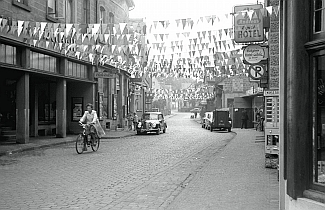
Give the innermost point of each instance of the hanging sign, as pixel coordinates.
(256, 71)
(248, 23)
(255, 53)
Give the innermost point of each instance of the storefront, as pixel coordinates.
(40, 89)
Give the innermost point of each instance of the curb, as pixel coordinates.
(16, 151)
(34, 148)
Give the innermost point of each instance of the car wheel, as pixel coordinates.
(158, 132)
(164, 131)
(138, 133)
(211, 129)
(229, 129)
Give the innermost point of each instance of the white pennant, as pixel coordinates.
(269, 9)
(20, 26)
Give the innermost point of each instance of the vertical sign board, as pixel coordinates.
(248, 23)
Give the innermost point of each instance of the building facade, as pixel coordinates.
(302, 149)
(47, 77)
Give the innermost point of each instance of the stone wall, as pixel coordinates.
(274, 50)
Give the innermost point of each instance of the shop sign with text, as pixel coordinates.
(248, 23)
(106, 75)
(255, 53)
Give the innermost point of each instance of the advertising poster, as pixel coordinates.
(77, 108)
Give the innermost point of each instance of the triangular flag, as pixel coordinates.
(20, 26)
(269, 9)
(122, 26)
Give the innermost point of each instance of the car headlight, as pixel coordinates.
(153, 125)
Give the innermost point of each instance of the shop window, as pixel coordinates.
(46, 103)
(8, 54)
(42, 62)
(23, 4)
(77, 70)
(319, 139)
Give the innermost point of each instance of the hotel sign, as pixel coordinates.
(248, 23)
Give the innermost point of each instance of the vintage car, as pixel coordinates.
(206, 120)
(220, 120)
(152, 122)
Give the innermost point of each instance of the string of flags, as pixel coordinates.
(191, 47)
(198, 93)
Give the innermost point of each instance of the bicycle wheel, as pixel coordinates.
(95, 142)
(80, 143)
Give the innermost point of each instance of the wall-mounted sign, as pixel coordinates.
(255, 53)
(271, 92)
(257, 71)
(104, 75)
(248, 23)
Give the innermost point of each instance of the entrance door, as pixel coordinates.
(8, 103)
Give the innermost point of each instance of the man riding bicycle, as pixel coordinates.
(92, 124)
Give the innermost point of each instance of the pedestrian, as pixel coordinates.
(130, 121)
(195, 115)
(244, 119)
(135, 121)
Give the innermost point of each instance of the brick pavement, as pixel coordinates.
(234, 179)
(183, 169)
(48, 141)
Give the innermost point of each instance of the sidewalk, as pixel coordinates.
(7, 148)
(235, 178)
(48, 141)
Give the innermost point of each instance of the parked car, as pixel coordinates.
(152, 122)
(220, 120)
(206, 120)
(197, 110)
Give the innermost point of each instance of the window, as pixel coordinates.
(69, 12)
(319, 15)
(22, 4)
(77, 70)
(86, 12)
(102, 15)
(42, 62)
(111, 25)
(8, 54)
(52, 12)
(319, 139)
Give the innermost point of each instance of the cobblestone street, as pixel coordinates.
(139, 172)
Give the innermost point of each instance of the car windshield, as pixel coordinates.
(151, 116)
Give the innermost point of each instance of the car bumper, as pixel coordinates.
(142, 130)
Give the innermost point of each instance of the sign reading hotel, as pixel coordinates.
(255, 53)
(248, 23)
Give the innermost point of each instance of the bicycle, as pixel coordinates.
(83, 141)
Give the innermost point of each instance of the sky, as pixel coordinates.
(181, 9)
